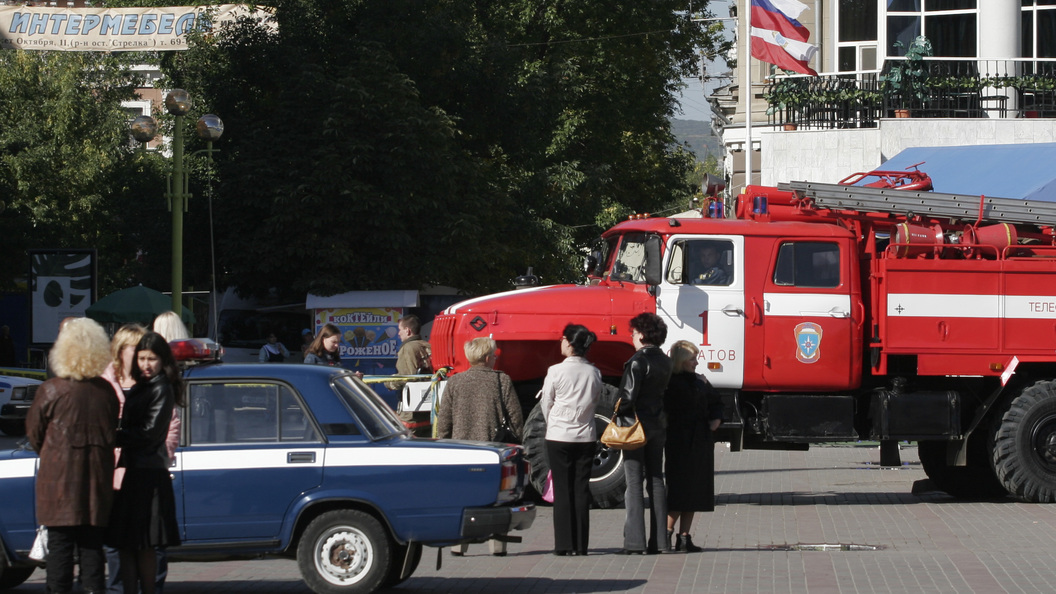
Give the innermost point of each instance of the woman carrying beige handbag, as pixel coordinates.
(645, 378)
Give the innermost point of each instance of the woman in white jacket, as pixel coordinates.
(570, 393)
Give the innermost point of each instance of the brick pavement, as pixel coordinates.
(768, 504)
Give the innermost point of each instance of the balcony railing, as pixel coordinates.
(949, 88)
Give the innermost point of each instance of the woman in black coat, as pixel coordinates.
(641, 394)
(694, 412)
(144, 511)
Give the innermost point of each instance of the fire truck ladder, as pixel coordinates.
(933, 204)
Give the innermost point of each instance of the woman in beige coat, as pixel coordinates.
(474, 405)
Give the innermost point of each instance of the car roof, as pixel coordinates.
(291, 372)
(15, 381)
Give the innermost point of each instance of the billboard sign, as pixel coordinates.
(62, 284)
(159, 28)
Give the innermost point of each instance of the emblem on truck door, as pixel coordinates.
(808, 342)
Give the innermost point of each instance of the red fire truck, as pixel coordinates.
(837, 313)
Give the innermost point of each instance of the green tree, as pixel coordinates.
(68, 175)
(389, 144)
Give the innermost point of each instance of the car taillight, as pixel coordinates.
(511, 478)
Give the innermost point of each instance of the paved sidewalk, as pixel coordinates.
(828, 520)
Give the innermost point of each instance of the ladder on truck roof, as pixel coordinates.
(934, 204)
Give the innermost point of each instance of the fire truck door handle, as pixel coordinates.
(835, 312)
(732, 311)
(757, 313)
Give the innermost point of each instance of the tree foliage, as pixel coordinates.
(376, 144)
(369, 144)
(68, 176)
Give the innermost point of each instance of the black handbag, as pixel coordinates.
(504, 433)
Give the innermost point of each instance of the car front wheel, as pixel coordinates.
(344, 551)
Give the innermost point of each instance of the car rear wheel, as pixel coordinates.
(13, 428)
(12, 577)
(344, 551)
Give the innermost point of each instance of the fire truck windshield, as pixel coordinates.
(629, 264)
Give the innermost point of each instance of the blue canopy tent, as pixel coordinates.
(1018, 171)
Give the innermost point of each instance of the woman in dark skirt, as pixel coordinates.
(694, 412)
(144, 512)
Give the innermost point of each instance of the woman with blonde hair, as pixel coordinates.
(474, 404)
(122, 353)
(694, 413)
(170, 326)
(119, 374)
(72, 424)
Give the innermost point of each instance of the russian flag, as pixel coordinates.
(779, 38)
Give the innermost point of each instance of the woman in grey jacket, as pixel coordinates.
(570, 393)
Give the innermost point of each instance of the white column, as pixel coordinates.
(999, 39)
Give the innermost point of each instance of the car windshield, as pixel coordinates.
(375, 417)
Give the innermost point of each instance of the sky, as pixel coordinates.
(694, 103)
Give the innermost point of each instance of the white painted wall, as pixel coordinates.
(830, 155)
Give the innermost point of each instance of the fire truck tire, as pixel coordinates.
(975, 481)
(1025, 445)
(535, 447)
(607, 483)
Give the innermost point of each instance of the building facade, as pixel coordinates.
(860, 41)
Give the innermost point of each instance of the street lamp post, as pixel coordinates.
(209, 128)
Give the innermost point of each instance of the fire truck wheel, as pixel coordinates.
(1025, 445)
(607, 482)
(975, 481)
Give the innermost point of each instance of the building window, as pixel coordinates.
(1039, 29)
(950, 25)
(856, 35)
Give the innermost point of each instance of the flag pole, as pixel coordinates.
(748, 94)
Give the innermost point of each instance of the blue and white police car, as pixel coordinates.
(306, 462)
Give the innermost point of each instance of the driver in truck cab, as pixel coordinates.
(705, 265)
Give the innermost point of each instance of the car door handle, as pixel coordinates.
(835, 312)
(732, 311)
(300, 457)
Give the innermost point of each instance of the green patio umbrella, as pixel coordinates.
(134, 305)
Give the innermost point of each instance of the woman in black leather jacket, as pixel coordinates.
(645, 378)
(144, 513)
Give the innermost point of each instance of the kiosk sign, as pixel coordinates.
(369, 333)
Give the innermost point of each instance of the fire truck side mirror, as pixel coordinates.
(652, 260)
(589, 264)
